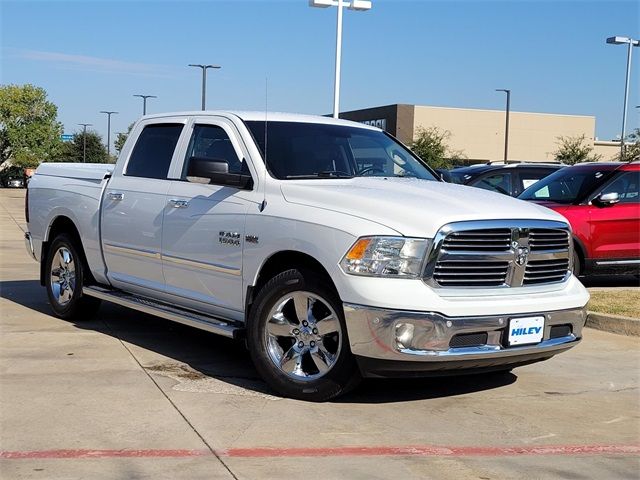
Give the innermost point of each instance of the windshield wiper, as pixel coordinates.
(324, 174)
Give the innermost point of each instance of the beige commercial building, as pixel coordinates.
(479, 134)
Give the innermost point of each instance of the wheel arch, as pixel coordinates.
(63, 224)
(281, 261)
(580, 250)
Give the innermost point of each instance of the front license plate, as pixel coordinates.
(526, 330)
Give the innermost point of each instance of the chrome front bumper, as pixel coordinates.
(373, 337)
(28, 243)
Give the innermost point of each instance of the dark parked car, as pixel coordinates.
(510, 179)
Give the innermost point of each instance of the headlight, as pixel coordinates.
(386, 257)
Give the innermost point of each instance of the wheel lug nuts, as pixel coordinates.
(296, 331)
(300, 344)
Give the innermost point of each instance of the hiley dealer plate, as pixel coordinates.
(526, 330)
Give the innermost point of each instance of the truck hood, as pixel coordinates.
(412, 207)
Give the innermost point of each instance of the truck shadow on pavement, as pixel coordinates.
(196, 357)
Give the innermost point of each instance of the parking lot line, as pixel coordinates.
(355, 451)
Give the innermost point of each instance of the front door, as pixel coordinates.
(615, 229)
(132, 211)
(204, 227)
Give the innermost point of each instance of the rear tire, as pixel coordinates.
(65, 278)
(297, 338)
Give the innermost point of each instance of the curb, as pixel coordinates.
(614, 324)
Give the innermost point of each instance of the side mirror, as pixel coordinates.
(216, 171)
(607, 199)
(206, 167)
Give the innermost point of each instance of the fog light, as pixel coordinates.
(404, 334)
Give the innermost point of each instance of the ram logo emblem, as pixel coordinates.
(522, 255)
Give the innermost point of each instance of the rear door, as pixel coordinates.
(204, 224)
(616, 228)
(133, 208)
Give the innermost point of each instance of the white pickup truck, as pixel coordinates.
(326, 245)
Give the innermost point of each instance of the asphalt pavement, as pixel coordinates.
(126, 395)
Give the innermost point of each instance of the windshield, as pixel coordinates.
(568, 185)
(298, 150)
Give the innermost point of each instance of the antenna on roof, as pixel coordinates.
(266, 109)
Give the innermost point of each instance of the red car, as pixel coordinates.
(602, 203)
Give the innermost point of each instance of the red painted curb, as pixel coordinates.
(397, 451)
(433, 451)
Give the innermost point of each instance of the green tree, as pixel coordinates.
(572, 150)
(73, 151)
(29, 129)
(632, 147)
(430, 144)
(121, 138)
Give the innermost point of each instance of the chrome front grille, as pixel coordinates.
(547, 239)
(488, 254)
(471, 273)
(545, 271)
(498, 239)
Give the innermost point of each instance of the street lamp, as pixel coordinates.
(144, 102)
(108, 130)
(204, 80)
(506, 127)
(631, 43)
(358, 5)
(84, 141)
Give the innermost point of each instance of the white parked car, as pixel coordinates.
(327, 244)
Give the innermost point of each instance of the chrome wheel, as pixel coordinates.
(63, 276)
(303, 335)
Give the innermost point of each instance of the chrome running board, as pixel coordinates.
(211, 324)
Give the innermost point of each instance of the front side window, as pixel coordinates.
(151, 156)
(297, 150)
(497, 182)
(211, 142)
(626, 186)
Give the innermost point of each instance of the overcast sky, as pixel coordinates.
(94, 55)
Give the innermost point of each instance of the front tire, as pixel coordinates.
(298, 340)
(65, 276)
(577, 265)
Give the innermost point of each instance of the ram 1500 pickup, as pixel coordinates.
(331, 249)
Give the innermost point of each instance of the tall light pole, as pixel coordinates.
(108, 130)
(204, 80)
(506, 127)
(358, 5)
(84, 141)
(630, 43)
(144, 102)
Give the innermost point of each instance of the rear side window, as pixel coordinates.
(151, 157)
(529, 177)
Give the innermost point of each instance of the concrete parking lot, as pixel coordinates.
(126, 395)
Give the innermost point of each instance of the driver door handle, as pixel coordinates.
(178, 203)
(116, 196)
